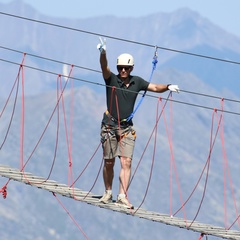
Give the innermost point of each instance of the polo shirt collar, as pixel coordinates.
(131, 81)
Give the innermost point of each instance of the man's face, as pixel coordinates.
(124, 71)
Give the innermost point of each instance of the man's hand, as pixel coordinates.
(173, 88)
(102, 45)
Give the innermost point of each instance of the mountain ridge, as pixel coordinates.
(191, 127)
(183, 30)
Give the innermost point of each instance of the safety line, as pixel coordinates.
(210, 96)
(154, 65)
(152, 96)
(119, 39)
(48, 59)
(93, 70)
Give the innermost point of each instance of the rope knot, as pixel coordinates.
(4, 191)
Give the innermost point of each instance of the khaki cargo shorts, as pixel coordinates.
(117, 142)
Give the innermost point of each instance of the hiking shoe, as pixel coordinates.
(106, 198)
(123, 202)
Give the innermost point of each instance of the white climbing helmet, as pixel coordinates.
(125, 59)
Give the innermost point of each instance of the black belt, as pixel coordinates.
(123, 122)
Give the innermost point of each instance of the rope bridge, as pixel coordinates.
(92, 199)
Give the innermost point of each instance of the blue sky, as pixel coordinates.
(224, 13)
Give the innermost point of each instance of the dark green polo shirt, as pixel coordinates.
(121, 99)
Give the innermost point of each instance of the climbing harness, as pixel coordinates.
(118, 133)
(123, 123)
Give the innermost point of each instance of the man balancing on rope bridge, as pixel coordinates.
(117, 132)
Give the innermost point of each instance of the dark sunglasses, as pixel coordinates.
(120, 68)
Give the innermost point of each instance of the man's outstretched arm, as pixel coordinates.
(160, 88)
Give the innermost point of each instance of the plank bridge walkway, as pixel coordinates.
(90, 198)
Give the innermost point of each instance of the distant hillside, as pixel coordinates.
(188, 124)
(217, 74)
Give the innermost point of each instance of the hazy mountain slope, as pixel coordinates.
(218, 74)
(184, 30)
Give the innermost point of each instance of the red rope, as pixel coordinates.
(237, 219)
(172, 163)
(225, 167)
(22, 118)
(84, 169)
(153, 131)
(86, 164)
(207, 165)
(3, 190)
(71, 179)
(111, 102)
(171, 155)
(59, 96)
(15, 102)
(45, 129)
(68, 135)
(56, 143)
(90, 160)
(124, 183)
(95, 181)
(212, 142)
(146, 146)
(12, 115)
(227, 173)
(201, 236)
(57, 138)
(68, 213)
(153, 158)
